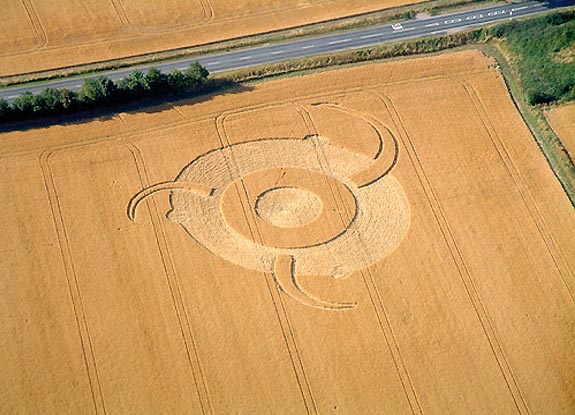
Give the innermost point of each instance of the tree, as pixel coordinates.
(5, 109)
(24, 104)
(156, 80)
(97, 90)
(178, 82)
(51, 99)
(67, 98)
(197, 74)
(55, 100)
(134, 84)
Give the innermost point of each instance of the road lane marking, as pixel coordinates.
(335, 42)
(213, 63)
(451, 21)
(497, 12)
(277, 52)
(245, 58)
(308, 47)
(12, 96)
(432, 24)
(368, 36)
(519, 8)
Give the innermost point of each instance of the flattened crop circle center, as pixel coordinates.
(288, 207)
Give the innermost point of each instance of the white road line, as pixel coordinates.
(245, 58)
(432, 24)
(405, 30)
(12, 96)
(277, 52)
(335, 42)
(77, 86)
(213, 63)
(308, 47)
(368, 36)
(182, 69)
(519, 8)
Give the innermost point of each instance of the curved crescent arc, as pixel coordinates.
(285, 278)
(163, 186)
(382, 164)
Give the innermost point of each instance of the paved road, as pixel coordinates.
(321, 45)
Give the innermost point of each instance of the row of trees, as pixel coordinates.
(102, 92)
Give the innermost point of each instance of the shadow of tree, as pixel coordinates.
(149, 105)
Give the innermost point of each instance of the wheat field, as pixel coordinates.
(385, 238)
(37, 35)
(562, 121)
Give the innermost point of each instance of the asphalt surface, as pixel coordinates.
(319, 45)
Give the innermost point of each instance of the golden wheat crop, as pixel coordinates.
(385, 238)
(562, 120)
(38, 35)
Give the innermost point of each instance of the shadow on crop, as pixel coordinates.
(146, 105)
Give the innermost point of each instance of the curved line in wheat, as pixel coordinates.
(163, 186)
(286, 279)
(380, 166)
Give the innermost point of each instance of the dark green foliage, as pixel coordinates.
(56, 100)
(68, 99)
(97, 90)
(5, 109)
(197, 74)
(24, 104)
(156, 80)
(538, 43)
(135, 84)
(103, 92)
(193, 77)
(177, 81)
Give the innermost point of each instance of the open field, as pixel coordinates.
(378, 239)
(39, 35)
(562, 121)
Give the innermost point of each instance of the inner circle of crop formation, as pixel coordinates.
(288, 207)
